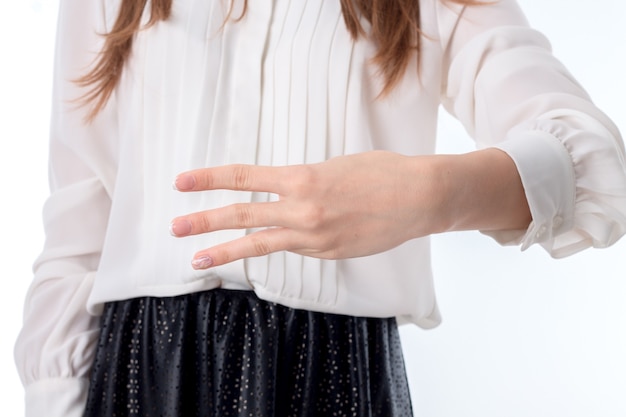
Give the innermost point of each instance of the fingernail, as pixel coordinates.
(184, 182)
(202, 262)
(180, 228)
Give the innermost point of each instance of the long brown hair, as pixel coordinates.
(395, 28)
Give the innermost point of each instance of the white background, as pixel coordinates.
(525, 336)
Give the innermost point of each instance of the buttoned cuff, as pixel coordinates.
(547, 174)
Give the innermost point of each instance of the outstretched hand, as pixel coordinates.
(346, 207)
(355, 205)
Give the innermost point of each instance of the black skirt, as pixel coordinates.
(228, 353)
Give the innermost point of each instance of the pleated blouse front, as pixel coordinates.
(284, 85)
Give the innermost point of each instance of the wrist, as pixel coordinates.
(479, 190)
(432, 186)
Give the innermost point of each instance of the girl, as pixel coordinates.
(299, 137)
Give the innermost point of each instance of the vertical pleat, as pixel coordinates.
(269, 142)
(282, 84)
(300, 53)
(319, 73)
(294, 48)
(219, 133)
(308, 49)
(318, 276)
(271, 89)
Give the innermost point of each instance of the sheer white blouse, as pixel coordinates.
(287, 85)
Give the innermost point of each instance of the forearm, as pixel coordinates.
(481, 190)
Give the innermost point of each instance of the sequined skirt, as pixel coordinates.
(228, 353)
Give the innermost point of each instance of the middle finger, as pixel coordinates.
(235, 216)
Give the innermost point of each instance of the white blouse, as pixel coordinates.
(286, 84)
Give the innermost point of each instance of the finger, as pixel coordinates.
(235, 177)
(259, 243)
(235, 216)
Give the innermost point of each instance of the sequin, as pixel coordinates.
(228, 353)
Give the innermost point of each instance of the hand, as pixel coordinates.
(348, 206)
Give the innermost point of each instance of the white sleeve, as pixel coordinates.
(54, 350)
(510, 92)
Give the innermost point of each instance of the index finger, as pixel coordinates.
(237, 177)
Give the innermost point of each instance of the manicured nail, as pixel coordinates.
(184, 182)
(180, 228)
(203, 262)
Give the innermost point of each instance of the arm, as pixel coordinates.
(356, 205)
(550, 169)
(510, 92)
(55, 347)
